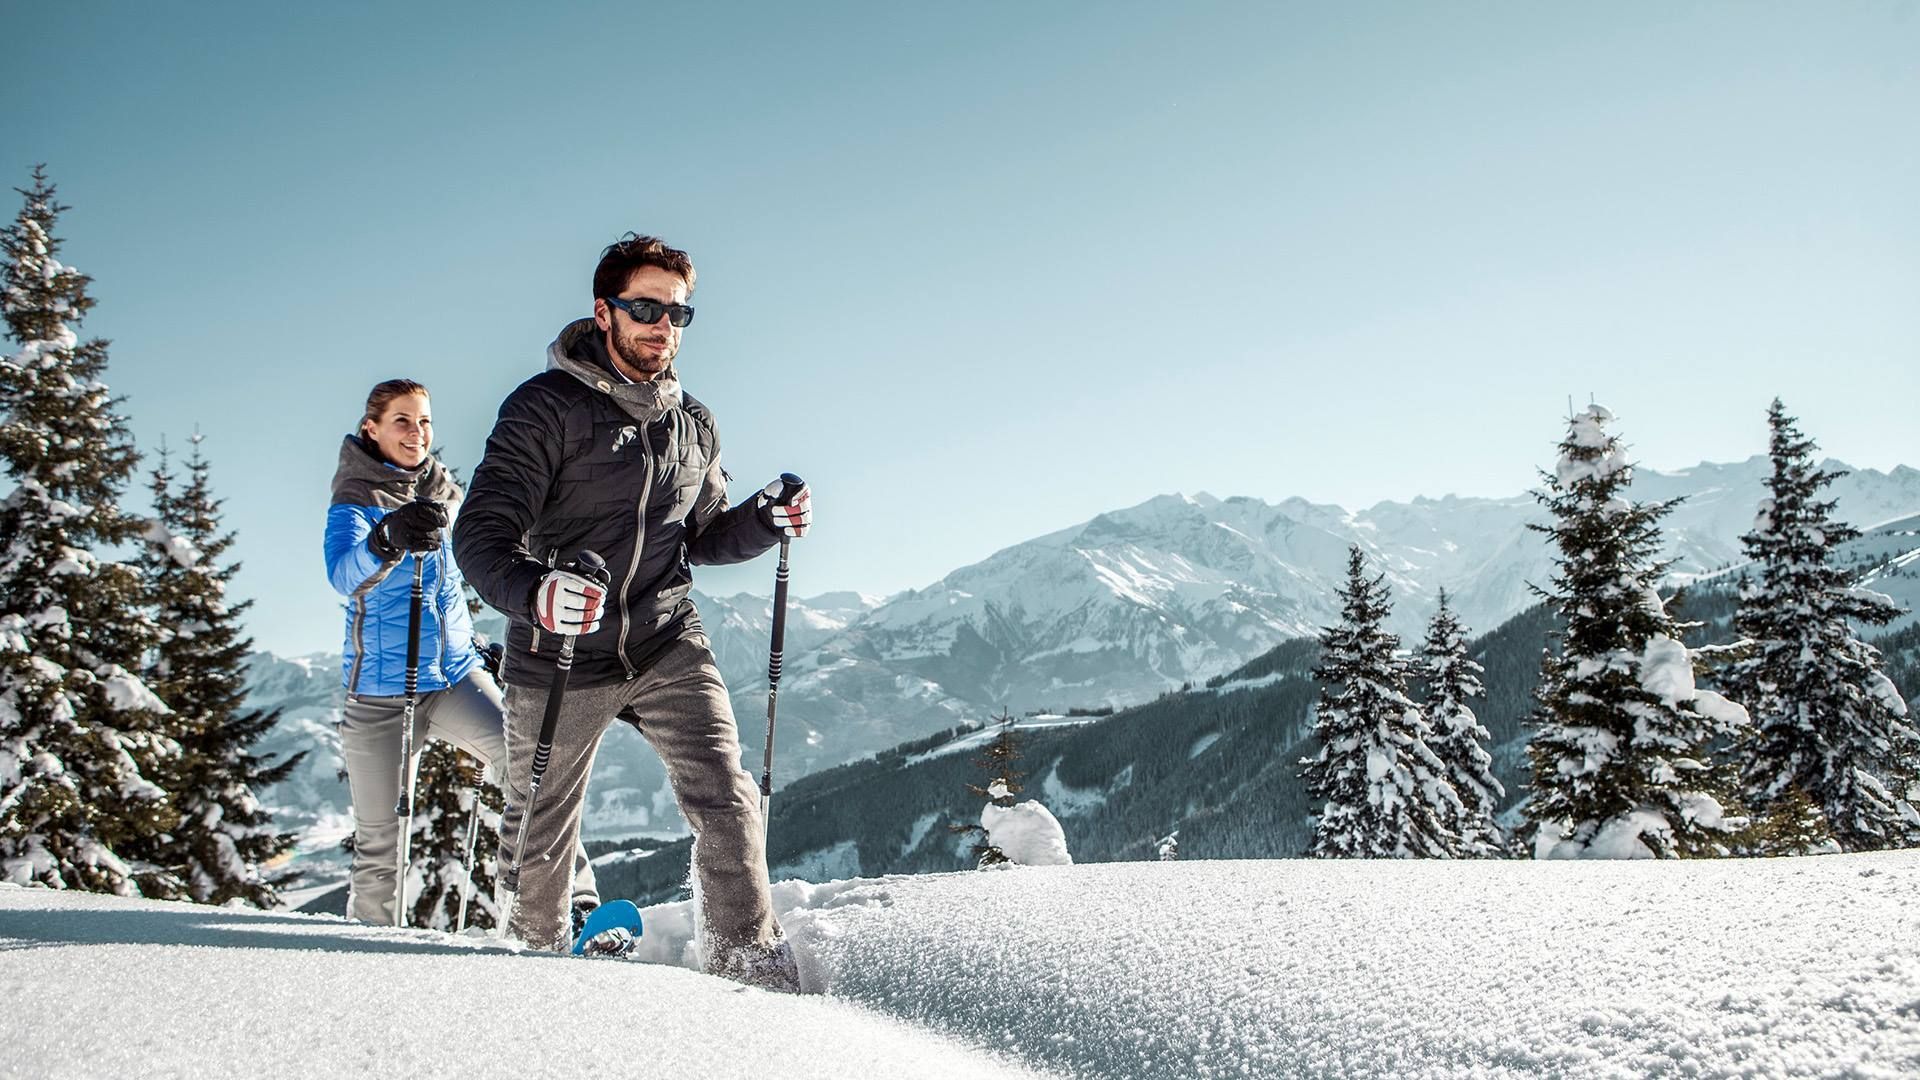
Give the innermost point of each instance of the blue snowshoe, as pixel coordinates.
(611, 930)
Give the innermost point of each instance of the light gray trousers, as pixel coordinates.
(469, 715)
(680, 705)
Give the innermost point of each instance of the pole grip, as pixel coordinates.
(779, 644)
(414, 603)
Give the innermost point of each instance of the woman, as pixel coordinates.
(392, 502)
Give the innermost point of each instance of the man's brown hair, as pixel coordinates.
(631, 252)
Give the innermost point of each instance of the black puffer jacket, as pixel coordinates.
(578, 460)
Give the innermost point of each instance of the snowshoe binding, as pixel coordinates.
(610, 930)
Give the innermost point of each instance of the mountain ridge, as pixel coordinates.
(1130, 604)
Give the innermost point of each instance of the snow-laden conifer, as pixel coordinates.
(1452, 679)
(1382, 793)
(225, 840)
(1621, 758)
(997, 760)
(1167, 848)
(449, 782)
(80, 733)
(1829, 726)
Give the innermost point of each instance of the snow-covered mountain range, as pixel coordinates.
(1181, 588)
(1121, 608)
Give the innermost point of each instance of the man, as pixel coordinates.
(603, 452)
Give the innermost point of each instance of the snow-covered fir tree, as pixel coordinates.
(1004, 777)
(1793, 825)
(1621, 764)
(80, 733)
(1167, 848)
(1382, 793)
(1829, 725)
(1452, 679)
(221, 848)
(449, 783)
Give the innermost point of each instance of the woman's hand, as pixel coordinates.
(418, 526)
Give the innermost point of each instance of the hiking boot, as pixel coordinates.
(578, 916)
(613, 942)
(768, 967)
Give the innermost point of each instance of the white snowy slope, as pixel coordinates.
(96, 986)
(1889, 557)
(741, 627)
(1751, 968)
(1790, 967)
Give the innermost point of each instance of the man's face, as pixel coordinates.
(643, 351)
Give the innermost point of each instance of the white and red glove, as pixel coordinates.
(567, 603)
(792, 516)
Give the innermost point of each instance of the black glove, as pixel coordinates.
(491, 653)
(414, 527)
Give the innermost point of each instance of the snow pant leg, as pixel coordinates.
(370, 743)
(471, 716)
(539, 911)
(680, 705)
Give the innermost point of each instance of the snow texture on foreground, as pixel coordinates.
(1783, 967)
(101, 986)
(1753, 968)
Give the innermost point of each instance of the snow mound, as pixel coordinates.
(1027, 833)
(1783, 967)
(102, 986)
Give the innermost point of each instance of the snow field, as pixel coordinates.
(101, 986)
(1349, 968)
(1734, 968)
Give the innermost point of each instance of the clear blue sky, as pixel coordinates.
(981, 271)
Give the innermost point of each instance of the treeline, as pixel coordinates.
(1805, 746)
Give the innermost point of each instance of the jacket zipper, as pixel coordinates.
(359, 642)
(639, 545)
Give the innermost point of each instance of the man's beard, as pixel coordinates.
(631, 352)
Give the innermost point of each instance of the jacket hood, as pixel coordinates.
(364, 479)
(581, 352)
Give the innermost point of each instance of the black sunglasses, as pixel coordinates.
(649, 311)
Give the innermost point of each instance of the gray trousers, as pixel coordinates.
(469, 715)
(680, 705)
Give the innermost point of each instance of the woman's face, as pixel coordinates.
(404, 432)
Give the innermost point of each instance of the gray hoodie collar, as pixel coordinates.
(579, 351)
(363, 479)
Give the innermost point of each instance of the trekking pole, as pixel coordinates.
(490, 658)
(466, 861)
(789, 485)
(589, 565)
(404, 808)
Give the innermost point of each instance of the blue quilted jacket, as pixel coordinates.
(374, 654)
